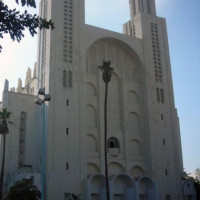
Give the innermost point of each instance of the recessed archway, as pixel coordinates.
(123, 187)
(147, 188)
(92, 168)
(115, 168)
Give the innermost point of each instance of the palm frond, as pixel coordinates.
(5, 114)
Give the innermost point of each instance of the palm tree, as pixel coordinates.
(107, 73)
(74, 196)
(4, 115)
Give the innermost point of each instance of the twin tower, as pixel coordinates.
(139, 6)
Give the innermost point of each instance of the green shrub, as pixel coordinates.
(23, 190)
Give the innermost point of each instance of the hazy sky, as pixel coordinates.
(183, 22)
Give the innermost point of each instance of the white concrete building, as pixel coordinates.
(144, 159)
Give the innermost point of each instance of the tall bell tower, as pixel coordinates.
(162, 116)
(145, 6)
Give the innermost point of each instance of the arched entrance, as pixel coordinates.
(147, 189)
(123, 187)
(96, 187)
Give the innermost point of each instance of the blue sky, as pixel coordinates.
(183, 23)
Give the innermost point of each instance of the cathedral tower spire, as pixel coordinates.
(139, 6)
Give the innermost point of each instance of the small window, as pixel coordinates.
(162, 95)
(163, 141)
(64, 78)
(70, 79)
(67, 166)
(113, 146)
(113, 143)
(67, 102)
(158, 94)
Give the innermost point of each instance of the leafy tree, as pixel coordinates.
(4, 115)
(197, 174)
(196, 183)
(186, 176)
(23, 190)
(14, 23)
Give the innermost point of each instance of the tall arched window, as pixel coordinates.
(67, 78)
(113, 145)
(162, 95)
(64, 78)
(70, 79)
(158, 94)
(22, 131)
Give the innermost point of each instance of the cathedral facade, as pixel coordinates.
(144, 147)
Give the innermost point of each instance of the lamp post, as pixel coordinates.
(107, 73)
(39, 101)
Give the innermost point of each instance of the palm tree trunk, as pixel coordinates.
(105, 143)
(2, 166)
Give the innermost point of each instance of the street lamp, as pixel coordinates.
(107, 73)
(39, 101)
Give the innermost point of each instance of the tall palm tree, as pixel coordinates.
(107, 73)
(74, 196)
(4, 115)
